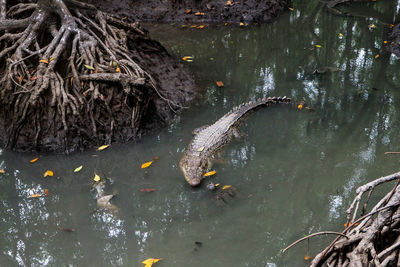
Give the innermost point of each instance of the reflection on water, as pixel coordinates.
(295, 171)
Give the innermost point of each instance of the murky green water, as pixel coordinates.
(295, 172)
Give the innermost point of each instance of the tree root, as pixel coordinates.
(61, 66)
(374, 238)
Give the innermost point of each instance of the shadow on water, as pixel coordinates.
(295, 172)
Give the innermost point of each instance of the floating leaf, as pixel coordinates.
(187, 58)
(147, 190)
(34, 160)
(291, 8)
(149, 262)
(216, 185)
(188, 11)
(96, 177)
(307, 257)
(241, 24)
(78, 169)
(376, 56)
(48, 173)
(372, 26)
(199, 14)
(226, 24)
(155, 158)
(300, 107)
(200, 27)
(193, 26)
(200, 149)
(44, 61)
(219, 84)
(2, 171)
(385, 42)
(226, 187)
(211, 173)
(34, 195)
(146, 164)
(102, 147)
(88, 67)
(318, 46)
(46, 192)
(69, 230)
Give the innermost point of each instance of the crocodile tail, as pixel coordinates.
(242, 109)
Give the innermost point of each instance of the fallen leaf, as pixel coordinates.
(44, 61)
(226, 187)
(200, 27)
(219, 84)
(78, 169)
(241, 24)
(72, 78)
(34, 160)
(376, 56)
(200, 149)
(102, 147)
(155, 158)
(146, 164)
(149, 262)
(193, 26)
(188, 11)
(199, 14)
(88, 67)
(118, 70)
(20, 79)
(48, 173)
(96, 177)
(372, 26)
(147, 190)
(307, 257)
(385, 42)
(46, 192)
(34, 78)
(216, 185)
(226, 24)
(34, 196)
(318, 46)
(2, 171)
(229, 3)
(350, 224)
(391, 26)
(51, 59)
(291, 8)
(187, 58)
(69, 230)
(210, 173)
(300, 107)
(82, 85)
(340, 35)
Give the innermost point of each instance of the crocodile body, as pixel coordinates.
(209, 139)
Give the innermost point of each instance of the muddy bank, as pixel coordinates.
(187, 11)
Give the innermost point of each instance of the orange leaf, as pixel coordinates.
(118, 70)
(200, 27)
(48, 173)
(291, 8)
(211, 173)
(226, 187)
(147, 164)
(34, 160)
(220, 84)
(46, 192)
(300, 107)
(102, 147)
(188, 11)
(34, 78)
(20, 79)
(147, 190)
(385, 42)
(199, 13)
(307, 257)
(229, 3)
(376, 56)
(34, 195)
(2, 171)
(44, 61)
(391, 26)
(241, 24)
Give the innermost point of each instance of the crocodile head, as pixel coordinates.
(193, 168)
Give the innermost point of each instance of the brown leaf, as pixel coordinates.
(220, 84)
(147, 190)
(69, 230)
(155, 158)
(20, 79)
(188, 11)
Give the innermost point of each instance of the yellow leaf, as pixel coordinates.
(149, 262)
(34, 195)
(216, 185)
(103, 147)
(211, 173)
(376, 56)
(300, 106)
(241, 24)
(220, 84)
(226, 24)
(147, 164)
(391, 26)
(2, 171)
(34, 160)
(372, 26)
(226, 187)
(48, 173)
(44, 61)
(72, 78)
(118, 70)
(78, 169)
(200, 149)
(88, 67)
(188, 58)
(318, 46)
(385, 42)
(291, 8)
(96, 177)
(51, 59)
(340, 35)
(200, 27)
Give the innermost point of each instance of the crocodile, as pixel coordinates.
(209, 139)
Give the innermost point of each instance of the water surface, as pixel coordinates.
(295, 172)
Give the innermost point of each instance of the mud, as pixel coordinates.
(189, 11)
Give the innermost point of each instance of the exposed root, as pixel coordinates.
(61, 65)
(374, 238)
